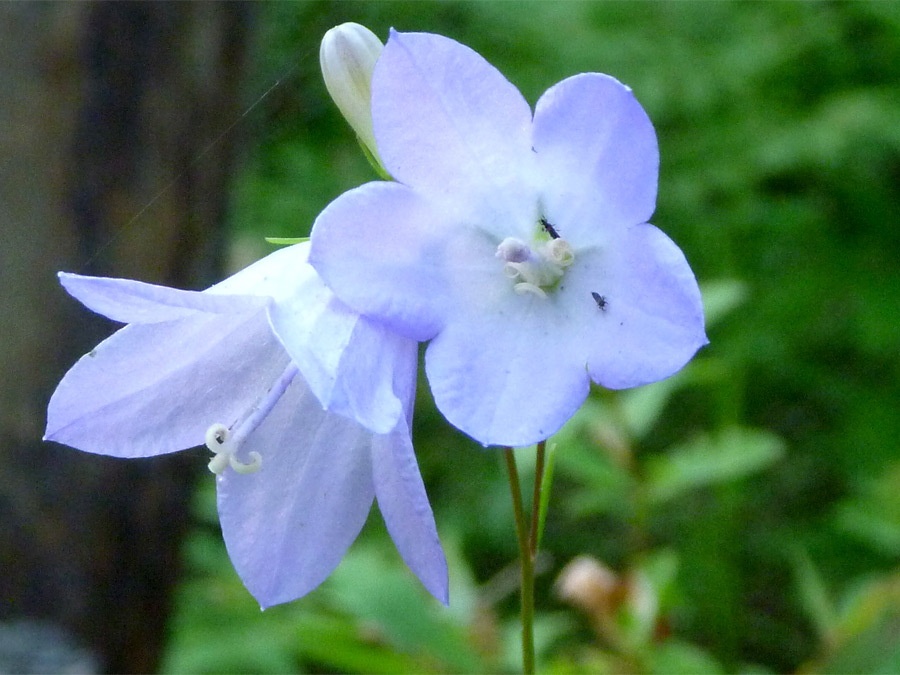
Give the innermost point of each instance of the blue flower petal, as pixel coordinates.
(598, 157)
(448, 124)
(347, 360)
(380, 247)
(406, 511)
(130, 301)
(653, 322)
(511, 376)
(155, 388)
(288, 525)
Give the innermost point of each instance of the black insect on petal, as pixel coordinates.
(549, 229)
(602, 304)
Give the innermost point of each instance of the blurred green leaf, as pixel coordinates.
(867, 639)
(878, 529)
(377, 590)
(814, 595)
(602, 486)
(710, 459)
(343, 645)
(642, 406)
(721, 297)
(661, 569)
(673, 657)
(873, 515)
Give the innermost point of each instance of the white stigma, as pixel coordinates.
(225, 442)
(220, 441)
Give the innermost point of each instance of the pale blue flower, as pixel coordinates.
(517, 244)
(283, 382)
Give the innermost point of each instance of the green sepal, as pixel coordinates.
(374, 161)
(286, 241)
(546, 483)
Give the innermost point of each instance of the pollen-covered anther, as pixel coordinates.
(524, 288)
(513, 250)
(560, 252)
(535, 273)
(224, 447)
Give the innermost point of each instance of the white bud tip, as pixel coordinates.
(347, 55)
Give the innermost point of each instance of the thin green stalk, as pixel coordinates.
(527, 565)
(536, 499)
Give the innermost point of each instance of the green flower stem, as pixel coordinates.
(527, 565)
(536, 499)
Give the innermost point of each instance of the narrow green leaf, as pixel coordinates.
(546, 484)
(374, 162)
(286, 241)
(710, 459)
(814, 595)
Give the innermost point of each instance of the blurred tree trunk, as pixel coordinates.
(110, 163)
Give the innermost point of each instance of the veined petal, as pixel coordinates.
(451, 126)
(277, 275)
(401, 494)
(598, 157)
(155, 388)
(407, 514)
(509, 377)
(390, 254)
(652, 324)
(347, 360)
(288, 525)
(364, 380)
(130, 301)
(378, 247)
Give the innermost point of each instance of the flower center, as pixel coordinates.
(225, 442)
(536, 269)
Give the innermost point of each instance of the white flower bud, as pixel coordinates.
(347, 56)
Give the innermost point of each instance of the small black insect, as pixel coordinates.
(602, 304)
(549, 229)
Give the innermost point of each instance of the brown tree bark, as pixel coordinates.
(109, 164)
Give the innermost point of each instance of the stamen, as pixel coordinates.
(513, 250)
(535, 271)
(523, 288)
(512, 270)
(560, 252)
(225, 442)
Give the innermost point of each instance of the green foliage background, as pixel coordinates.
(749, 506)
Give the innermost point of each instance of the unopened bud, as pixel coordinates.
(347, 56)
